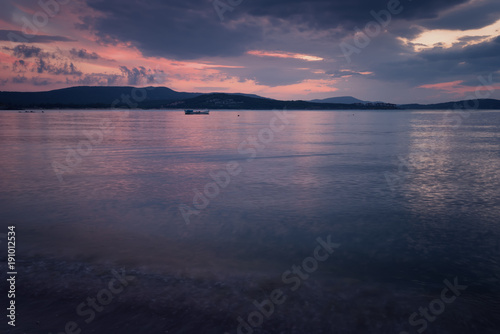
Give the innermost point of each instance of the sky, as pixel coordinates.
(422, 51)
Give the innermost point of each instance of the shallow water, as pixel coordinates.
(83, 208)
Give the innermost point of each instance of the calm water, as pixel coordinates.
(115, 205)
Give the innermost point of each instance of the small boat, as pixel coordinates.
(197, 112)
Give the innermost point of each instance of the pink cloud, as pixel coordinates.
(451, 86)
(457, 88)
(280, 54)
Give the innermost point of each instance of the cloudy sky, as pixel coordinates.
(408, 51)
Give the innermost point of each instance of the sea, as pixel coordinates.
(243, 221)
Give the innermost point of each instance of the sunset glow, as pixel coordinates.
(447, 38)
(90, 43)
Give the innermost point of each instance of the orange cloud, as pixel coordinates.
(279, 54)
(456, 87)
(451, 86)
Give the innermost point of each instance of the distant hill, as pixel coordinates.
(86, 97)
(242, 94)
(234, 101)
(482, 104)
(157, 98)
(340, 99)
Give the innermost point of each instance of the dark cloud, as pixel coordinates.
(45, 66)
(443, 65)
(96, 79)
(477, 53)
(133, 76)
(37, 81)
(84, 54)
(175, 29)
(325, 14)
(19, 66)
(20, 37)
(483, 80)
(23, 51)
(140, 75)
(3, 82)
(19, 79)
(192, 29)
(405, 31)
(44, 62)
(475, 15)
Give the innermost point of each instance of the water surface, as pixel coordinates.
(116, 205)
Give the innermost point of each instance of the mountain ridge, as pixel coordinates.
(82, 97)
(481, 104)
(106, 97)
(340, 99)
